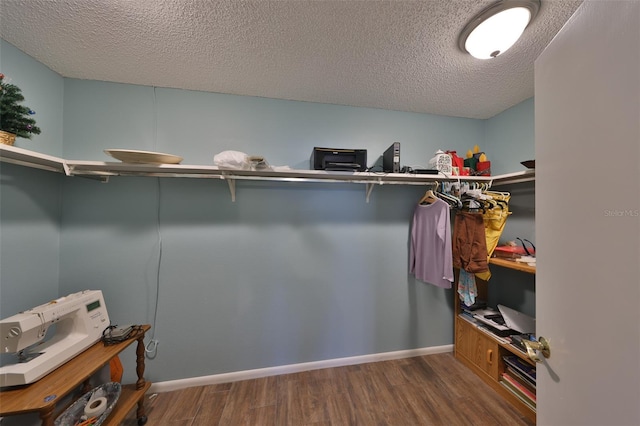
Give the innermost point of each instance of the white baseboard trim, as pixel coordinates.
(236, 376)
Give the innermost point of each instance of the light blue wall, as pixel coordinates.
(100, 115)
(198, 125)
(510, 139)
(289, 272)
(30, 199)
(29, 237)
(43, 92)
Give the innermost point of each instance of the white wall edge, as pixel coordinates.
(236, 376)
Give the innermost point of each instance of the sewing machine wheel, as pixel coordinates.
(142, 420)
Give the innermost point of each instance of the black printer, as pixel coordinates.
(354, 160)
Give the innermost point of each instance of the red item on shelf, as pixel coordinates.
(483, 168)
(455, 160)
(510, 252)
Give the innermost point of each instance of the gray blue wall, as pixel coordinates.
(30, 199)
(43, 90)
(510, 139)
(288, 273)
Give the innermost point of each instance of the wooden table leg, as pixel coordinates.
(140, 363)
(140, 351)
(46, 416)
(140, 412)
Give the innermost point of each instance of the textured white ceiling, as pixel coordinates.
(398, 55)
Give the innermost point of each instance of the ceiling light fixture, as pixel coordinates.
(497, 28)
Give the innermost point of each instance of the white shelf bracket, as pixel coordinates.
(370, 187)
(232, 188)
(369, 190)
(66, 168)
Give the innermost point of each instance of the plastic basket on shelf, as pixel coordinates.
(7, 138)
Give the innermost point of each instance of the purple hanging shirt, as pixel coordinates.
(430, 258)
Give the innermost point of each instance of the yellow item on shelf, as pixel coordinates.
(476, 149)
(483, 157)
(469, 154)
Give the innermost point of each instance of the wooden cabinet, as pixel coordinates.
(478, 349)
(483, 353)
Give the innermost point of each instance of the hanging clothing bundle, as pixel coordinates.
(469, 242)
(495, 218)
(480, 218)
(477, 230)
(430, 249)
(467, 288)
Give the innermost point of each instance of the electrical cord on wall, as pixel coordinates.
(377, 169)
(152, 347)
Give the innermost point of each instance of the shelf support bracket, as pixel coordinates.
(232, 188)
(66, 168)
(369, 190)
(370, 187)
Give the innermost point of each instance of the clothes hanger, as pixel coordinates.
(450, 199)
(500, 199)
(488, 204)
(504, 195)
(473, 206)
(428, 198)
(443, 192)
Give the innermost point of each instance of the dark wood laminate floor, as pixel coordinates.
(425, 390)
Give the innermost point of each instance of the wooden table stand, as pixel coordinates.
(44, 395)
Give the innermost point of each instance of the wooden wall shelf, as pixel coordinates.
(512, 264)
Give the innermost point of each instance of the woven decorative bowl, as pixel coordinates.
(7, 138)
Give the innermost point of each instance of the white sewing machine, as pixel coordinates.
(79, 319)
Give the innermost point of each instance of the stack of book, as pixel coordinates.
(519, 378)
